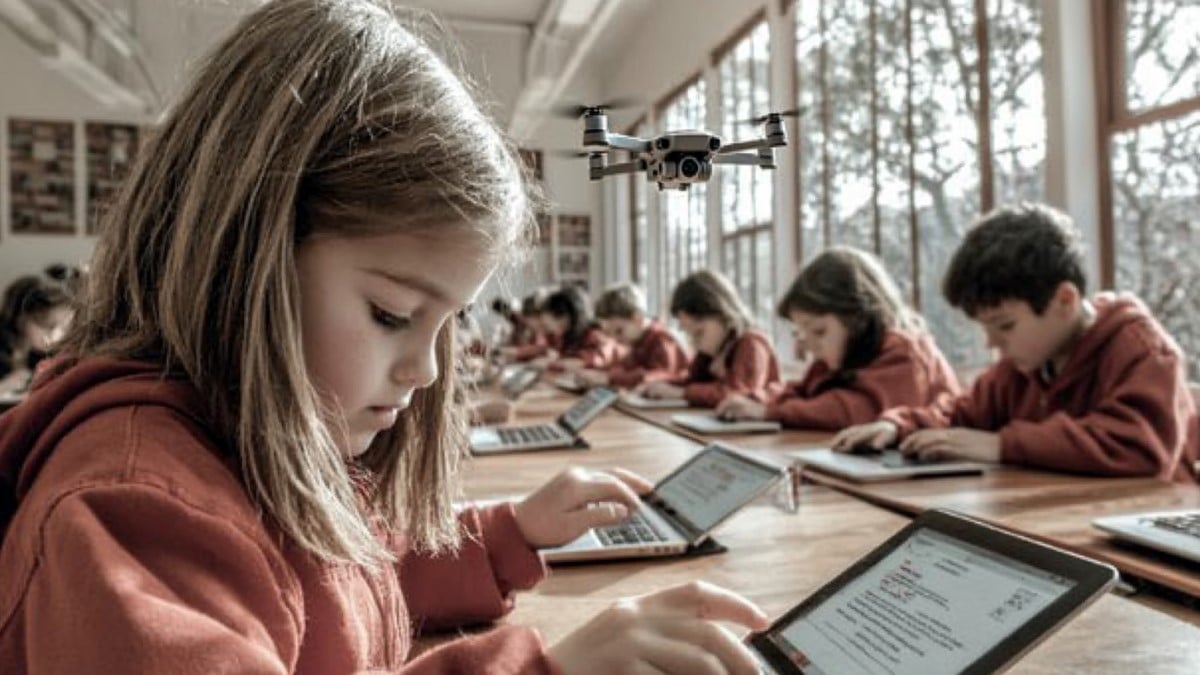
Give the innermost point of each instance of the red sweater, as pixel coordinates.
(909, 370)
(536, 345)
(656, 356)
(751, 369)
(128, 534)
(594, 348)
(1120, 406)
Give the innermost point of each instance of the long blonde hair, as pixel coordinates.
(312, 117)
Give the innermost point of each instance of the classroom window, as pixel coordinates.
(919, 115)
(638, 221)
(682, 212)
(1151, 122)
(747, 192)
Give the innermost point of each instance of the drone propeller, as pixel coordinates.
(577, 110)
(794, 112)
(570, 154)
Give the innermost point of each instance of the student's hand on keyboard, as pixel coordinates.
(739, 407)
(876, 435)
(955, 443)
(577, 500)
(674, 631)
(661, 390)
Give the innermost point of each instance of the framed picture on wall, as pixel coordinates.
(111, 149)
(41, 160)
(575, 230)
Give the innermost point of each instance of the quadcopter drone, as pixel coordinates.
(677, 159)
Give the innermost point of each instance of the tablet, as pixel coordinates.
(947, 594)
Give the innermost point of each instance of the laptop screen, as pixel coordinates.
(934, 604)
(586, 408)
(711, 486)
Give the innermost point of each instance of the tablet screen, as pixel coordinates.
(934, 604)
(712, 486)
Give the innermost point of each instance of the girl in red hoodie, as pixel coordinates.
(732, 355)
(568, 318)
(871, 352)
(244, 457)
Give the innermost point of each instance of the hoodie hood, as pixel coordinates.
(1117, 314)
(64, 396)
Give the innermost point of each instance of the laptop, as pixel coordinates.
(1173, 532)
(881, 466)
(562, 433)
(681, 510)
(633, 400)
(947, 594)
(517, 379)
(709, 423)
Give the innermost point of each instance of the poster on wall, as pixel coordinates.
(110, 152)
(575, 231)
(41, 160)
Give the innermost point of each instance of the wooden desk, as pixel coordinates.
(777, 558)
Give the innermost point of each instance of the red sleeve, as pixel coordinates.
(830, 409)
(1139, 428)
(753, 371)
(598, 351)
(474, 584)
(136, 580)
(661, 361)
(987, 406)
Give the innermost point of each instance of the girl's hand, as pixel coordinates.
(494, 411)
(876, 435)
(739, 407)
(577, 500)
(662, 390)
(592, 378)
(956, 443)
(674, 631)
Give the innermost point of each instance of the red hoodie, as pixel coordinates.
(1120, 406)
(127, 534)
(751, 369)
(909, 370)
(595, 349)
(655, 356)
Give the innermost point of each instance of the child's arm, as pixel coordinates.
(832, 409)
(985, 407)
(662, 364)
(475, 584)
(749, 375)
(597, 351)
(1138, 429)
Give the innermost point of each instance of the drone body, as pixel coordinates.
(677, 159)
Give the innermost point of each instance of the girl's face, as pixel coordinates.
(371, 309)
(43, 331)
(555, 325)
(706, 334)
(825, 336)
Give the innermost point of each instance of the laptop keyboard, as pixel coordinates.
(1187, 523)
(535, 434)
(636, 530)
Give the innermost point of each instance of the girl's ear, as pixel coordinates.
(1067, 298)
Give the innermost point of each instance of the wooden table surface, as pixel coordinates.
(777, 557)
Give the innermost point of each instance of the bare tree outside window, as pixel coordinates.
(682, 212)
(903, 137)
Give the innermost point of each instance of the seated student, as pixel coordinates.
(532, 341)
(1086, 386)
(34, 313)
(654, 354)
(581, 343)
(732, 356)
(213, 480)
(871, 350)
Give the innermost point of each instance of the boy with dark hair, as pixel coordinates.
(1087, 386)
(654, 354)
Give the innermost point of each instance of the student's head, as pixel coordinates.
(505, 307)
(708, 310)
(35, 313)
(296, 239)
(621, 312)
(841, 305)
(567, 313)
(1019, 272)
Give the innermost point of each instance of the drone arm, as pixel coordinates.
(614, 169)
(745, 159)
(744, 145)
(630, 143)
